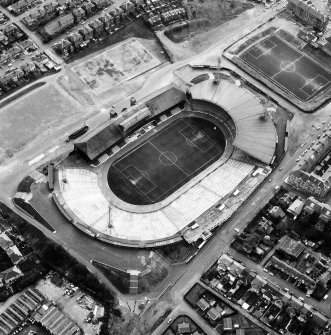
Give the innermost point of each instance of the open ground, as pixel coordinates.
(122, 62)
(287, 67)
(166, 161)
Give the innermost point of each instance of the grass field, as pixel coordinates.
(287, 67)
(113, 66)
(166, 161)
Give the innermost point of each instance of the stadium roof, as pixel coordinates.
(255, 134)
(100, 139)
(164, 98)
(135, 118)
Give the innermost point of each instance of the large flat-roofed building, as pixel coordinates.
(291, 247)
(310, 12)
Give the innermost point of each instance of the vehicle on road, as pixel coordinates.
(325, 297)
(169, 321)
(302, 299)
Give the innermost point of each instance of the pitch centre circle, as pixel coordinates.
(287, 66)
(168, 158)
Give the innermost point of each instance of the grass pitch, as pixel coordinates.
(287, 68)
(166, 161)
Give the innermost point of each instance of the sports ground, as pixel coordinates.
(166, 161)
(287, 68)
(122, 62)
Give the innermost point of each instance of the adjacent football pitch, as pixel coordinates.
(287, 68)
(166, 161)
(113, 66)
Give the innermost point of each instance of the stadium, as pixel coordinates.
(173, 166)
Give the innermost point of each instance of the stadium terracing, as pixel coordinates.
(205, 201)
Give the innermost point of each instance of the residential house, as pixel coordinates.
(34, 18)
(100, 4)
(28, 45)
(214, 314)
(89, 8)
(296, 207)
(4, 58)
(14, 51)
(18, 75)
(64, 47)
(28, 67)
(107, 20)
(184, 328)
(86, 32)
(5, 241)
(12, 32)
(97, 27)
(13, 252)
(3, 38)
(203, 304)
(325, 214)
(137, 3)
(76, 39)
(51, 7)
(117, 14)
(79, 14)
(128, 7)
(276, 212)
(10, 275)
(313, 206)
(19, 7)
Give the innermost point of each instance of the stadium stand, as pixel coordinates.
(251, 140)
(83, 199)
(109, 133)
(255, 135)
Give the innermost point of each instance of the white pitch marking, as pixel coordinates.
(37, 159)
(53, 149)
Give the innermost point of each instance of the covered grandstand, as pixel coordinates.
(83, 195)
(253, 134)
(95, 142)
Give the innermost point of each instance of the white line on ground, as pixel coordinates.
(35, 160)
(53, 149)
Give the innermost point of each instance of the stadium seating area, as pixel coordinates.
(254, 134)
(85, 200)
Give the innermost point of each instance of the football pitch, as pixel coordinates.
(166, 161)
(287, 67)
